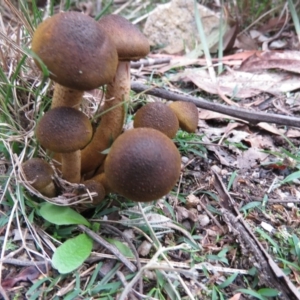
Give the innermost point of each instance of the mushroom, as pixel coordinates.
(101, 178)
(77, 53)
(95, 186)
(187, 114)
(65, 130)
(159, 116)
(39, 175)
(143, 164)
(131, 44)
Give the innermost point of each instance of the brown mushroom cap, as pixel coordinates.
(130, 42)
(64, 129)
(143, 164)
(78, 54)
(39, 174)
(158, 116)
(97, 187)
(187, 114)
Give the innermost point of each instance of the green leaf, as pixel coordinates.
(62, 215)
(251, 293)
(267, 292)
(291, 177)
(250, 205)
(228, 281)
(72, 253)
(125, 250)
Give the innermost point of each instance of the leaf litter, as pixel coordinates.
(209, 229)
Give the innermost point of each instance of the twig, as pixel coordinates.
(211, 215)
(109, 247)
(176, 264)
(149, 62)
(22, 263)
(250, 116)
(132, 248)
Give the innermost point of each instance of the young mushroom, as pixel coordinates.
(39, 175)
(158, 116)
(187, 114)
(143, 164)
(131, 44)
(65, 130)
(94, 186)
(77, 53)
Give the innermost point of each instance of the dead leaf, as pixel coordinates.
(28, 274)
(245, 42)
(285, 60)
(209, 115)
(236, 296)
(260, 142)
(240, 84)
(250, 159)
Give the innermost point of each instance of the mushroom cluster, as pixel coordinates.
(143, 164)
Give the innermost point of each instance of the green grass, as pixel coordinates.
(183, 262)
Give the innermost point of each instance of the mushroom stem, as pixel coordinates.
(101, 178)
(70, 166)
(111, 124)
(64, 96)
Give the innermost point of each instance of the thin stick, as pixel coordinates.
(250, 116)
(109, 247)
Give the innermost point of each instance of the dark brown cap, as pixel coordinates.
(78, 54)
(143, 164)
(130, 42)
(64, 129)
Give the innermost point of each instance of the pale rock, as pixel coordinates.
(144, 248)
(203, 220)
(173, 26)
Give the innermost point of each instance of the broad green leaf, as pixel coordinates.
(61, 215)
(72, 253)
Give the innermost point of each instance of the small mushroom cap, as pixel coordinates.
(143, 164)
(39, 174)
(187, 114)
(78, 54)
(64, 129)
(130, 42)
(158, 116)
(97, 187)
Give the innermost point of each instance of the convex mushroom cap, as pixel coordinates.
(187, 114)
(130, 42)
(39, 175)
(77, 52)
(64, 130)
(143, 164)
(95, 187)
(158, 116)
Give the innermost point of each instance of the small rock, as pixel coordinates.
(192, 201)
(203, 220)
(184, 159)
(173, 25)
(144, 248)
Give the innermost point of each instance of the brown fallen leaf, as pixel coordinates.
(239, 84)
(272, 59)
(236, 297)
(250, 158)
(28, 274)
